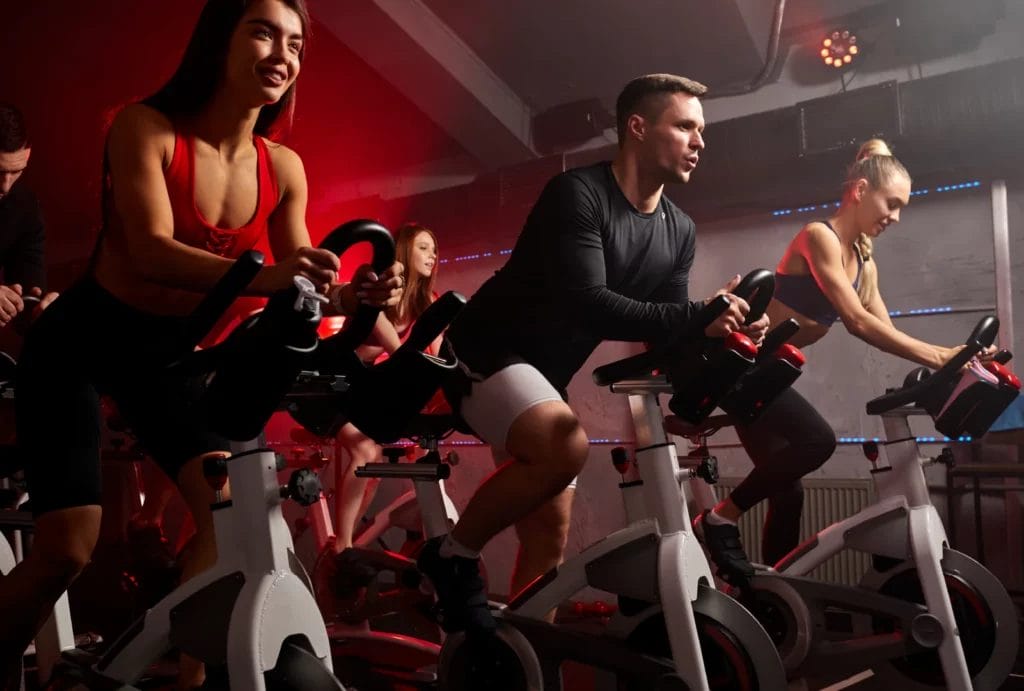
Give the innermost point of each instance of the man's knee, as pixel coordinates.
(550, 437)
(64, 543)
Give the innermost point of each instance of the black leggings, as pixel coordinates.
(788, 441)
(89, 343)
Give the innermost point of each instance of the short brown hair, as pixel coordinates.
(639, 96)
(13, 135)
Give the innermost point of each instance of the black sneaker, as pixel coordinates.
(723, 541)
(461, 594)
(351, 573)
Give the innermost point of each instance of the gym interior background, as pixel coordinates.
(444, 112)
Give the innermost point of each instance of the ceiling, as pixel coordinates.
(396, 96)
(482, 71)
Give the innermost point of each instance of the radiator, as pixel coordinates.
(825, 502)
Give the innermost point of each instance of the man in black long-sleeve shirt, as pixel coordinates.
(21, 224)
(603, 256)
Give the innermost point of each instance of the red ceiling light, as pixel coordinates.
(839, 48)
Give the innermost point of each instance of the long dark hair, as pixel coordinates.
(193, 84)
(198, 75)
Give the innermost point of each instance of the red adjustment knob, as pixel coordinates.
(791, 354)
(740, 344)
(620, 459)
(1004, 374)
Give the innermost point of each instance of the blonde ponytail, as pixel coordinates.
(869, 271)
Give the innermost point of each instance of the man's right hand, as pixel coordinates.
(733, 317)
(11, 303)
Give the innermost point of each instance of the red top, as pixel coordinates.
(189, 225)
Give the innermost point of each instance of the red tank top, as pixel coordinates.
(189, 225)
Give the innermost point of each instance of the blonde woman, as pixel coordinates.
(825, 275)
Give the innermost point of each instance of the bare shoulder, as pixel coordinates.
(287, 163)
(141, 127)
(140, 119)
(817, 234)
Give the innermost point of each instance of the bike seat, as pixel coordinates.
(706, 427)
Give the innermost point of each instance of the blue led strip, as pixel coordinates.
(916, 193)
(919, 440)
(921, 310)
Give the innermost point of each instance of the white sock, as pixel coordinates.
(715, 518)
(451, 548)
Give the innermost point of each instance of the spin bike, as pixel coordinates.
(674, 630)
(372, 584)
(251, 617)
(924, 616)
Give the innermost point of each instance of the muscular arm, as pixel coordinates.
(578, 264)
(876, 305)
(823, 254)
(139, 142)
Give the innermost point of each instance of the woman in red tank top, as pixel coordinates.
(415, 248)
(193, 178)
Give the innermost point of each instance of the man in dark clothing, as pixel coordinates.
(22, 233)
(604, 255)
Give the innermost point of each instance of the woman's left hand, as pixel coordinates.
(384, 290)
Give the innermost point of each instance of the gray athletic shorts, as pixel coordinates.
(494, 403)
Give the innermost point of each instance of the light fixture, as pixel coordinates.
(839, 48)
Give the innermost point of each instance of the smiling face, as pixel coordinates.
(878, 207)
(265, 53)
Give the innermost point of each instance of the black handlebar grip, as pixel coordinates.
(756, 288)
(219, 299)
(434, 320)
(984, 335)
(338, 241)
(641, 364)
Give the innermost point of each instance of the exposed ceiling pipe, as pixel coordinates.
(771, 57)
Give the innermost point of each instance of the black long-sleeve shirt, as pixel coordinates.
(22, 237)
(587, 267)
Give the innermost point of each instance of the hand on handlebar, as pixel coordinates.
(947, 354)
(384, 290)
(756, 331)
(10, 303)
(318, 265)
(733, 317)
